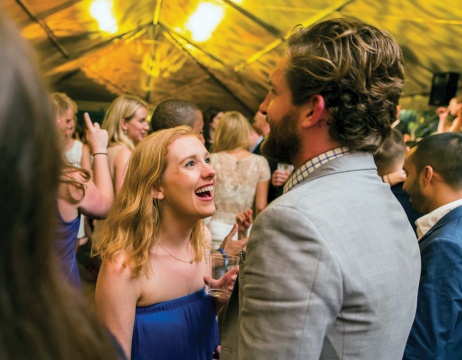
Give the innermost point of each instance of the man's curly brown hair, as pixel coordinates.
(357, 68)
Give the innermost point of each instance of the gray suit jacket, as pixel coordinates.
(331, 272)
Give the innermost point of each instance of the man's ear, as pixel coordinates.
(157, 194)
(123, 124)
(312, 112)
(426, 175)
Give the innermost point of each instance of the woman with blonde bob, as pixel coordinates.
(242, 177)
(150, 291)
(126, 124)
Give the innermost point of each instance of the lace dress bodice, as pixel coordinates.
(236, 183)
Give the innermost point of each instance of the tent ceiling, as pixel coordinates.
(154, 57)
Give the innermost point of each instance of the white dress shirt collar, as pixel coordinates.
(260, 139)
(426, 222)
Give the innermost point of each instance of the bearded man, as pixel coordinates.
(332, 266)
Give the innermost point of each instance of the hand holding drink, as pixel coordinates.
(223, 273)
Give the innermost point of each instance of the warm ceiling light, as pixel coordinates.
(204, 21)
(103, 12)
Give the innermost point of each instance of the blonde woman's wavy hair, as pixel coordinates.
(134, 220)
(233, 132)
(124, 107)
(62, 102)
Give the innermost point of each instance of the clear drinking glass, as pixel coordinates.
(219, 267)
(285, 167)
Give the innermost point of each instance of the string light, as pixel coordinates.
(203, 22)
(103, 12)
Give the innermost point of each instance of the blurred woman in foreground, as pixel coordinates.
(40, 317)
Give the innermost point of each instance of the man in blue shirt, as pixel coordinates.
(434, 184)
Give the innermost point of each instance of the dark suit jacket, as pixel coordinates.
(403, 199)
(273, 191)
(437, 329)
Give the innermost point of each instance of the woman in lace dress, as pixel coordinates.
(126, 124)
(242, 177)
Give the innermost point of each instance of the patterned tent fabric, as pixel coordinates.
(153, 55)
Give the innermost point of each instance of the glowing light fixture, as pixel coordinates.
(204, 21)
(103, 12)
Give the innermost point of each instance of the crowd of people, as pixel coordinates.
(335, 262)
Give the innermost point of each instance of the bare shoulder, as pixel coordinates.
(119, 267)
(123, 154)
(116, 281)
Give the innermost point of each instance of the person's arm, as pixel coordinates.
(85, 160)
(442, 114)
(116, 296)
(261, 196)
(99, 193)
(120, 167)
(438, 302)
(290, 285)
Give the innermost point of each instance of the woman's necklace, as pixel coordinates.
(173, 256)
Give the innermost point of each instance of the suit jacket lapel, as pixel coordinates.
(450, 216)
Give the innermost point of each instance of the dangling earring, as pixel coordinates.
(125, 132)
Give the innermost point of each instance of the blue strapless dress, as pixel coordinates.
(185, 328)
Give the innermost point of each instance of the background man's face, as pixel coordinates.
(412, 186)
(199, 127)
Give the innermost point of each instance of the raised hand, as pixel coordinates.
(233, 247)
(244, 220)
(97, 138)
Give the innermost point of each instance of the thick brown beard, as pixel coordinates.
(282, 143)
